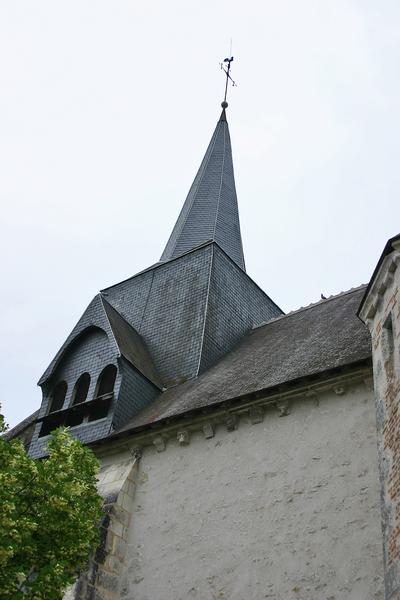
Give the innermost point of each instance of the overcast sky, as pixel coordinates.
(106, 109)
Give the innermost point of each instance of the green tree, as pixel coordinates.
(49, 514)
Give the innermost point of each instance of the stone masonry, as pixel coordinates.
(116, 485)
(381, 312)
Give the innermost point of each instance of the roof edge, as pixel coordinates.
(204, 245)
(157, 265)
(258, 394)
(57, 359)
(388, 249)
(156, 379)
(312, 305)
(21, 426)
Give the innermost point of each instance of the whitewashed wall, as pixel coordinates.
(287, 508)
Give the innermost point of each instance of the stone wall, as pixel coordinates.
(102, 579)
(381, 312)
(284, 506)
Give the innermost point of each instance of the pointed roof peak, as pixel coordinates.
(224, 105)
(210, 211)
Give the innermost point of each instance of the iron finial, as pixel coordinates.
(226, 67)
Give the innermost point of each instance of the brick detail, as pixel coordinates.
(384, 326)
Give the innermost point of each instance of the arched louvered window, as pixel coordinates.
(106, 381)
(58, 396)
(81, 389)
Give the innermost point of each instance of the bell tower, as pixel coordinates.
(165, 325)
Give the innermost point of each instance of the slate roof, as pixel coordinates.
(21, 427)
(191, 310)
(315, 339)
(185, 323)
(131, 345)
(125, 339)
(210, 211)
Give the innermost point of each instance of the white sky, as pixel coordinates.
(106, 109)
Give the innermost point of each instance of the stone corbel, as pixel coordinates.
(231, 422)
(312, 395)
(136, 452)
(183, 437)
(208, 431)
(256, 414)
(159, 443)
(283, 408)
(339, 390)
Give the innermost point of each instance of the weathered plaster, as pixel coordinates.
(279, 508)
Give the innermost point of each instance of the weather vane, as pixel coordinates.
(226, 67)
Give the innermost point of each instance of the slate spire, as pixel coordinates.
(210, 211)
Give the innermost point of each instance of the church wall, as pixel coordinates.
(235, 305)
(381, 312)
(287, 508)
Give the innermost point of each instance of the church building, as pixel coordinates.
(245, 453)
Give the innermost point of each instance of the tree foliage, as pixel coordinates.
(49, 511)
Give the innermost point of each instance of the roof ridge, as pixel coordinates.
(196, 185)
(205, 311)
(150, 373)
(104, 291)
(103, 300)
(160, 263)
(19, 427)
(220, 182)
(77, 331)
(312, 305)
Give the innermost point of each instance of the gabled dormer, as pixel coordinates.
(101, 376)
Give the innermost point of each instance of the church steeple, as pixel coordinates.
(167, 324)
(210, 211)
